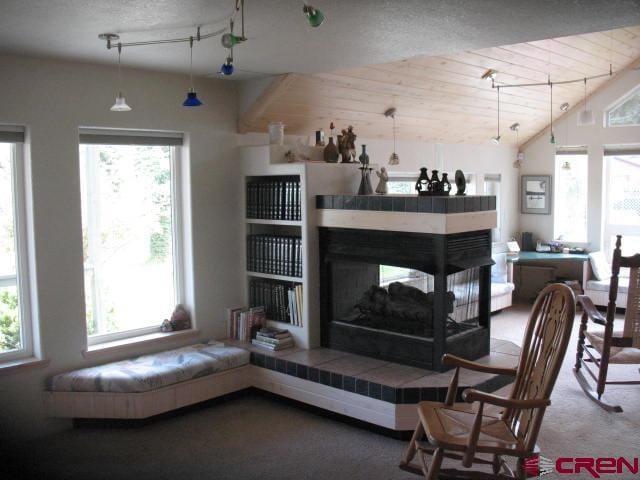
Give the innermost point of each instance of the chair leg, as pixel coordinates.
(581, 338)
(405, 463)
(436, 462)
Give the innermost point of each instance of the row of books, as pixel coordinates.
(273, 339)
(281, 301)
(275, 254)
(243, 323)
(274, 199)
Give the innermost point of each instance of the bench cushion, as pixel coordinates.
(150, 372)
(603, 285)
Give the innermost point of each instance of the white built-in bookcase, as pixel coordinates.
(316, 178)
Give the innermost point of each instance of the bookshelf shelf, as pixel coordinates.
(286, 325)
(269, 276)
(257, 221)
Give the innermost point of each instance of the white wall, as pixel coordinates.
(476, 159)
(53, 99)
(540, 154)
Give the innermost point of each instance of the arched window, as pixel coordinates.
(626, 111)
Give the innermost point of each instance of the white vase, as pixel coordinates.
(276, 133)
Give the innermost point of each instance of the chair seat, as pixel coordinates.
(449, 427)
(618, 354)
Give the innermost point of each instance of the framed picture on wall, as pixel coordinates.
(536, 194)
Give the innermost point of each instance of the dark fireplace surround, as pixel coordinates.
(400, 323)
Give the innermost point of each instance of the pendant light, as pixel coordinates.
(121, 103)
(496, 139)
(192, 97)
(394, 159)
(515, 127)
(227, 67)
(314, 16)
(552, 138)
(585, 117)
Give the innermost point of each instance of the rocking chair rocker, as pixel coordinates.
(612, 346)
(461, 432)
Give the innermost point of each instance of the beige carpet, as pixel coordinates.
(257, 437)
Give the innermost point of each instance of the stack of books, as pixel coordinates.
(243, 323)
(282, 301)
(275, 198)
(273, 339)
(275, 254)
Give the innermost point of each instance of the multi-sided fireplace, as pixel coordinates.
(407, 297)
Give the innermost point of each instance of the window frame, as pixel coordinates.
(22, 276)
(619, 229)
(569, 152)
(607, 124)
(177, 223)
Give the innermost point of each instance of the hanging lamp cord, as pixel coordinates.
(498, 89)
(119, 70)
(551, 106)
(191, 61)
(394, 133)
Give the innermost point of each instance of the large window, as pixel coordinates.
(622, 200)
(626, 111)
(131, 241)
(15, 321)
(570, 199)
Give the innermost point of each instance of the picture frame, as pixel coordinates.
(535, 194)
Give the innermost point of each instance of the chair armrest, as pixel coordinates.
(591, 310)
(470, 395)
(452, 360)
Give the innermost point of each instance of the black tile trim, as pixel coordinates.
(395, 395)
(407, 203)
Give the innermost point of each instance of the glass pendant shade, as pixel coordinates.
(314, 16)
(566, 166)
(121, 104)
(229, 40)
(227, 68)
(192, 99)
(552, 138)
(394, 159)
(496, 139)
(586, 117)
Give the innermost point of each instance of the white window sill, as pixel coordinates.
(19, 365)
(131, 345)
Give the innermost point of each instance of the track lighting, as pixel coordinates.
(564, 107)
(514, 127)
(496, 139)
(314, 16)
(121, 103)
(394, 159)
(192, 97)
(552, 137)
(585, 117)
(227, 67)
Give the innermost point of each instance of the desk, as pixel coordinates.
(531, 271)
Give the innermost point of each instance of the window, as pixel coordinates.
(625, 112)
(492, 182)
(402, 184)
(570, 197)
(15, 320)
(130, 200)
(622, 200)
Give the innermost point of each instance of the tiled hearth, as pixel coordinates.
(386, 381)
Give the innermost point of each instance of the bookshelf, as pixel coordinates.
(266, 163)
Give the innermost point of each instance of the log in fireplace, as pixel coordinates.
(405, 297)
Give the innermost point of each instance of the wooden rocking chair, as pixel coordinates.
(461, 431)
(612, 346)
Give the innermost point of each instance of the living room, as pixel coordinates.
(236, 234)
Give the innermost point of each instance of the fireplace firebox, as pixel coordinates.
(405, 297)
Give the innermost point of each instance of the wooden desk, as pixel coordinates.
(531, 271)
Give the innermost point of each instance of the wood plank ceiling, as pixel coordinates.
(443, 99)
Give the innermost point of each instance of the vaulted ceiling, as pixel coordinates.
(443, 98)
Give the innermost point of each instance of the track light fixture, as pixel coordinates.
(314, 16)
(394, 159)
(192, 97)
(496, 139)
(564, 107)
(585, 117)
(121, 103)
(489, 75)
